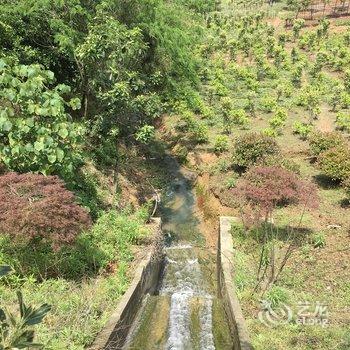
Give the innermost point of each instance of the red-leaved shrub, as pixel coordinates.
(261, 189)
(33, 205)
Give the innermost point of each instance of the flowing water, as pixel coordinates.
(185, 313)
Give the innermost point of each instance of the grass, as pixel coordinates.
(79, 309)
(318, 271)
(305, 278)
(81, 302)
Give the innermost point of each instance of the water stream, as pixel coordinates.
(185, 313)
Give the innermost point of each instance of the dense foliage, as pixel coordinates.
(335, 162)
(36, 133)
(94, 91)
(264, 188)
(39, 207)
(17, 332)
(103, 248)
(252, 148)
(123, 67)
(321, 141)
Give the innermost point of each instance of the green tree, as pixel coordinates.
(298, 24)
(36, 132)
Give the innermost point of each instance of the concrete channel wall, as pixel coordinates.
(145, 281)
(227, 287)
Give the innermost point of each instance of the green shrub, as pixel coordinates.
(278, 120)
(345, 100)
(188, 119)
(145, 134)
(302, 129)
(270, 132)
(278, 160)
(310, 99)
(323, 141)
(108, 242)
(17, 332)
(343, 121)
(222, 165)
(239, 117)
(231, 182)
(252, 148)
(268, 104)
(277, 295)
(200, 132)
(221, 143)
(226, 108)
(335, 162)
(318, 240)
(180, 152)
(298, 24)
(36, 133)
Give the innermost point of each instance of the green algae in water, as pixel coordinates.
(152, 331)
(185, 315)
(195, 326)
(221, 329)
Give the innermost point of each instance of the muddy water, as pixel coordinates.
(185, 313)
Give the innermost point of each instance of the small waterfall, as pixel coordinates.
(184, 313)
(183, 281)
(179, 322)
(206, 317)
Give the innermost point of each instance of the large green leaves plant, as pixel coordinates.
(17, 332)
(36, 132)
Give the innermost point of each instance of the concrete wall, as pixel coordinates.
(114, 334)
(227, 287)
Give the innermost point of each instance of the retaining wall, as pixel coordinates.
(227, 287)
(145, 280)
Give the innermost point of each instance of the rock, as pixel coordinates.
(334, 227)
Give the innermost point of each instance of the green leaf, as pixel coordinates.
(49, 141)
(50, 75)
(23, 70)
(29, 147)
(60, 154)
(30, 122)
(75, 103)
(25, 129)
(31, 108)
(64, 89)
(3, 119)
(31, 71)
(55, 111)
(15, 150)
(36, 316)
(52, 158)
(22, 307)
(63, 132)
(3, 114)
(10, 111)
(38, 146)
(7, 126)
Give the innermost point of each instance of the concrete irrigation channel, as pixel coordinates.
(182, 297)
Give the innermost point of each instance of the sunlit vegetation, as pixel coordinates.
(82, 85)
(255, 94)
(274, 96)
